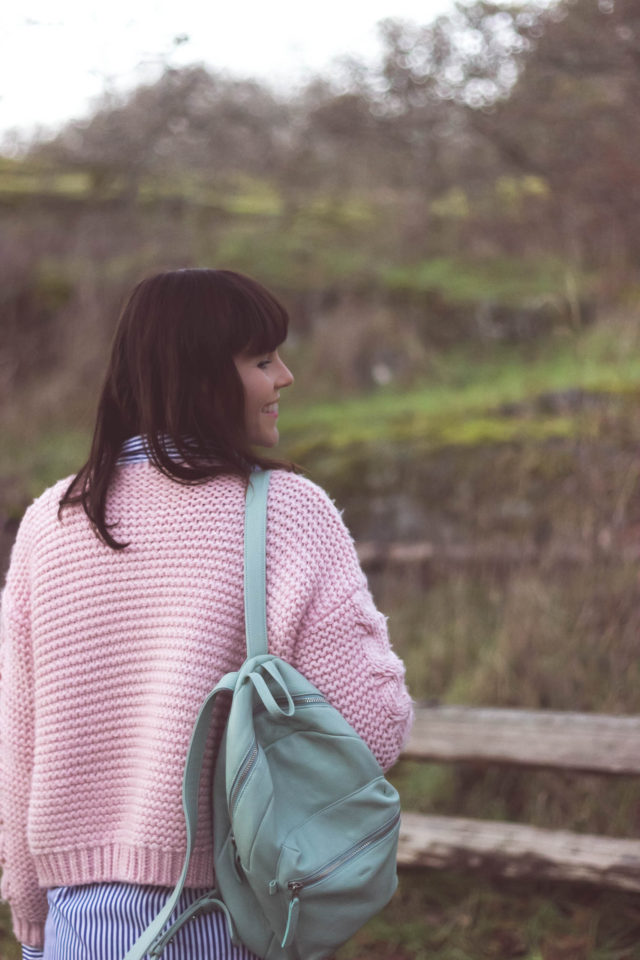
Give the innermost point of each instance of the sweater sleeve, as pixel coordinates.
(340, 640)
(19, 884)
(348, 656)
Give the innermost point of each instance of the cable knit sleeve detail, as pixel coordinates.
(340, 640)
(19, 879)
(347, 655)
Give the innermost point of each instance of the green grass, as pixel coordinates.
(9, 948)
(307, 242)
(240, 196)
(60, 184)
(27, 468)
(465, 381)
(448, 916)
(461, 399)
(499, 280)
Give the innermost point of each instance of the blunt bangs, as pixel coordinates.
(258, 322)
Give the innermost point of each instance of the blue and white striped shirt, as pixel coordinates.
(102, 921)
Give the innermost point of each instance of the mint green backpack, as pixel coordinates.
(305, 824)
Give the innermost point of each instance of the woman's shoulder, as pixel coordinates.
(45, 506)
(292, 492)
(303, 512)
(32, 534)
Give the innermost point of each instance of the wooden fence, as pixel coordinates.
(590, 743)
(376, 556)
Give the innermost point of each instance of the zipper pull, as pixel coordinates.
(292, 917)
(240, 874)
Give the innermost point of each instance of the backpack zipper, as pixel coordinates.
(335, 863)
(303, 699)
(244, 770)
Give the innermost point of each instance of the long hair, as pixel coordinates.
(171, 378)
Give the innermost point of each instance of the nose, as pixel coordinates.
(285, 377)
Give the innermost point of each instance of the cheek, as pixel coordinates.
(252, 396)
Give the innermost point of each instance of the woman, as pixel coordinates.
(124, 605)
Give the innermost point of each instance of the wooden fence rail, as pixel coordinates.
(593, 743)
(382, 556)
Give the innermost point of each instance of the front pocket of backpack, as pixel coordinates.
(335, 880)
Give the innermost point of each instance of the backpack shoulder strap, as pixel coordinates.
(255, 563)
(152, 940)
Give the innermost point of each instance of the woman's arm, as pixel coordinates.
(348, 656)
(19, 884)
(323, 620)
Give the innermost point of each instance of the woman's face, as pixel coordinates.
(263, 377)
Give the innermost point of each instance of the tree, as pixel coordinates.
(189, 119)
(571, 117)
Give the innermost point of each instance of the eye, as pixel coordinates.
(263, 364)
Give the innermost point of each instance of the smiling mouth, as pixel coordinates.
(271, 409)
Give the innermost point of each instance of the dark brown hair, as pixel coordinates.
(171, 375)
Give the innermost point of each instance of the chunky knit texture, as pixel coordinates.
(106, 656)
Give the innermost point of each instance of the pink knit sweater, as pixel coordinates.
(105, 657)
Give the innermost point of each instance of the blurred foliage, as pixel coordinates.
(497, 128)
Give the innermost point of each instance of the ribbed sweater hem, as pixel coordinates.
(121, 862)
(29, 933)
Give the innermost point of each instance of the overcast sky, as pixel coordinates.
(55, 57)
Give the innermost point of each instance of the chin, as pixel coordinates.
(270, 441)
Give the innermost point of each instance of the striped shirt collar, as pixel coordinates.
(137, 450)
